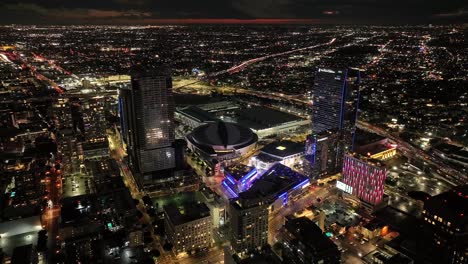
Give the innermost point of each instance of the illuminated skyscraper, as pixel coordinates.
(147, 115)
(335, 100)
(334, 114)
(364, 178)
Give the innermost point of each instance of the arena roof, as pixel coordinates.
(221, 135)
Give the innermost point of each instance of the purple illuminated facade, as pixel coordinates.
(365, 176)
(235, 183)
(290, 185)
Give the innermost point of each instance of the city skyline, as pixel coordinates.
(281, 143)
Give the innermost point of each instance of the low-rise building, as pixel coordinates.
(285, 152)
(267, 122)
(193, 116)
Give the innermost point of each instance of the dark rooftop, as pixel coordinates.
(398, 259)
(447, 148)
(374, 224)
(185, 213)
(363, 137)
(22, 254)
(238, 171)
(309, 234)
(451, 205)
(102, 169)
(267, 158)
(198, 114)
(261, 117)
(223, 134)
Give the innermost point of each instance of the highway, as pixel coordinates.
(413, 152)
(245, 64)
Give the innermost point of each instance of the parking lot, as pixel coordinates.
(77, 184)
(404, 178)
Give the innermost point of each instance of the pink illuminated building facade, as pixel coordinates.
(364, 178)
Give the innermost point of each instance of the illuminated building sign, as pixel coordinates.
(326, 70)
(284, 196)
(230, 179)
(229, 189)
(344, 187)
(303, 184)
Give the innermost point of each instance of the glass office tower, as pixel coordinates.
(147, 123)
(334, 116)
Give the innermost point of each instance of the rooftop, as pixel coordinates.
(372, 149)
(223, 135)
(370, 161)
(363, 137)
(102, 169)
(238, 171)
(451, 205)
(197, 113)
(184, 213)
(23, 254)
(308, 233)
(276, 180)
(283, 148)
(267, 158)
(261, 117)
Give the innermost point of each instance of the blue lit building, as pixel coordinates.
(239, 178)
(335, 100)
(334, 115)
(249, 211)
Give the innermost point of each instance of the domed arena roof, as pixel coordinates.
(222, 136)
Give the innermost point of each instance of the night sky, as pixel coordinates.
(233, 11)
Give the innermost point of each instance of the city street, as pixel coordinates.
(277, 219)
(51, 214)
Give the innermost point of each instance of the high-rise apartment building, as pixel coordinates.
(147, 115)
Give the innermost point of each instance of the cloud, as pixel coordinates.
(457, 13)
(75, 13)
(27, 8)
(264, 8)
(132, 2)
(325, 11)
(331, 12)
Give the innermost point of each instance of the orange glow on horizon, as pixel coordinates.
(224, 21)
